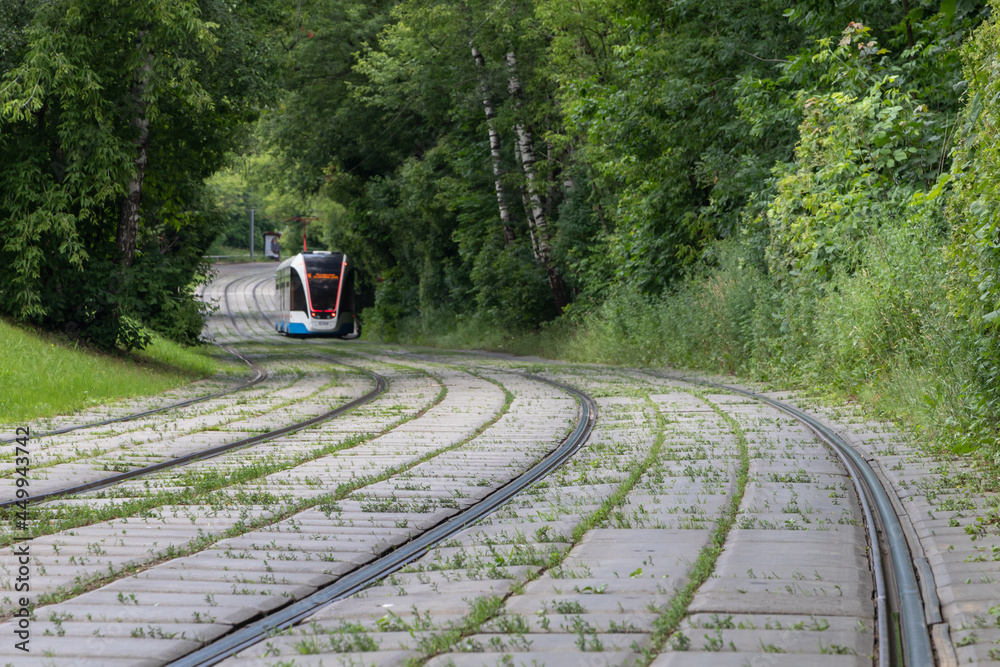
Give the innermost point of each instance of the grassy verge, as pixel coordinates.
(42, 375)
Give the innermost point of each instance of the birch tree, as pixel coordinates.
(536, 215)
(495, 156)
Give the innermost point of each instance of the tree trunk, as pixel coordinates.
(505, 223)
(909, 29)
(536, 217)
(128, 219)
(527, 209)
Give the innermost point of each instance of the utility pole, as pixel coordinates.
(251, 235)
(305, 220)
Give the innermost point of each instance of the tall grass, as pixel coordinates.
(42, 375)
(882, 332)
(708, 322)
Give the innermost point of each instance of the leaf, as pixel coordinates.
(948, 9)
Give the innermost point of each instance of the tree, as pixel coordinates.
(111, 117)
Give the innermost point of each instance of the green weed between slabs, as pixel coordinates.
(666, 625)
(488, 608)
(203, 541)
(44, 375)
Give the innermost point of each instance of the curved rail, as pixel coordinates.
(229, 311)
(259, 375)
(256, 302)
(381, 384)
(363, 576)
(914, 632)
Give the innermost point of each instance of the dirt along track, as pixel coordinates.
(692, 525)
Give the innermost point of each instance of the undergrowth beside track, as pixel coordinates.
(883, 335)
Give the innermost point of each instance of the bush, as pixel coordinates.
(973, 209)
(711, 320)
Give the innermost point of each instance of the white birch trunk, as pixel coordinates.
(527, 209)
(536, 218)
(508, 228)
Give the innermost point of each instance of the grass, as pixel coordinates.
(229, 255)
(885, 334)
(43, 375)
(665, 626)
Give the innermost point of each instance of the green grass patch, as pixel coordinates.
(43, 375)
(174, 357)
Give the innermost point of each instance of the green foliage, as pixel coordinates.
(397, 138)
(393, 307)
(864, 149)
(883, 332)
(44, 375)
(78, 79)
(710, 320)
(891, 313)
(16, 17)
(972, 208)
(653, 99)
(231, 193)
(842, 275)
(511, 290)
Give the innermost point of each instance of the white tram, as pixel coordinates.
(316, 296)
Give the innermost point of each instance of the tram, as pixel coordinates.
(316, 296)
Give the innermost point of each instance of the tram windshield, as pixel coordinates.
(323, 272)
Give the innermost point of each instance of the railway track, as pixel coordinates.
(360, 579)
(258, 376)
(517, 537)
(911, 636)
(904, 628)
(380, 385)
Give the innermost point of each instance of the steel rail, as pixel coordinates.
(381, 384)
(881, 588)
(363, 576)
(259, 375)
(229, 311)
(253, 293)
(915, 635)
(259, 313)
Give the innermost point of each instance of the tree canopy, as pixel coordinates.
(112, 114)
(500, 163)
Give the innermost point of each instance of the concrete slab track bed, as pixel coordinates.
(688, 524)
